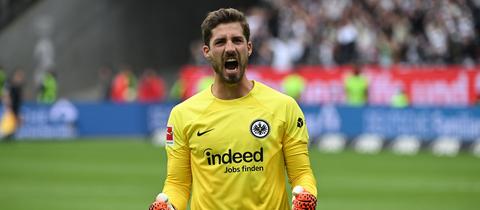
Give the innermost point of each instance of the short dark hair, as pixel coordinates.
(220, 16)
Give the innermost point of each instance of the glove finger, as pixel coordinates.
(305, 201)
(304, 205)
(158, 205)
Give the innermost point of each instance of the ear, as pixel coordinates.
(249, 48)
(206, 50)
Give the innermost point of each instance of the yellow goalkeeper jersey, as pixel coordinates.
(235, 154)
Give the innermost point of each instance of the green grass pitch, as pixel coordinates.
(112, 174)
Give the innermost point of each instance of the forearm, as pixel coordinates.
(298, 166)
(304, 177)
(179, 177)
(178, 194)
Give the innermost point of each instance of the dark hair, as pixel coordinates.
(220, 16)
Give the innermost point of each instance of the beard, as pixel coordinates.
(233, 79)
(230, 78)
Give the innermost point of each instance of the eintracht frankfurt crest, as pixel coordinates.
(260, 128)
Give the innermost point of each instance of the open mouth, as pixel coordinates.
(231, 64)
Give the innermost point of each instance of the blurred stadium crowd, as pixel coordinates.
(291, 33)
(330, 32)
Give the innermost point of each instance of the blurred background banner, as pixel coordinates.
(41, 121)
(66, 120)
(426, 85)
(425, 123)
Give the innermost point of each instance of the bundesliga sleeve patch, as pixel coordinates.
(169, 137)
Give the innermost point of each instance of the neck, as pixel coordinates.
(226, 91)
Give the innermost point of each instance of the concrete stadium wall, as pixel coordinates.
(87, 35)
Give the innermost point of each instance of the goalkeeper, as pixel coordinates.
(229, 146)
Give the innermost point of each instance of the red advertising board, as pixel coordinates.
(431, 85)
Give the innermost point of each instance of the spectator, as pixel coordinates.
(177, 91)
(151, 87)
(400, 99)
(356, 87)
(12, 102)
(346, 39)
(124, 86)
(48, 88)
(293, 85)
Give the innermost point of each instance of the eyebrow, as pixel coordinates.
(224, 38)
(238, 37)
(219, 39)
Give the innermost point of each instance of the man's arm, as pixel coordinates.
(295, 150)
(298, 165)
(179, 175)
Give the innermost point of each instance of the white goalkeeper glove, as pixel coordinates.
(303, 200)
(161, 203)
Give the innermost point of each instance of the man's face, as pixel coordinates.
(228, 52)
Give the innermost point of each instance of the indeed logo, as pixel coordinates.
(233, 157)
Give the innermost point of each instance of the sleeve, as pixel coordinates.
(295, 149)
(179, 176)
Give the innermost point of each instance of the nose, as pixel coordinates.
(229, 47)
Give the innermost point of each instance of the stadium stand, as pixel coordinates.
(330, 32)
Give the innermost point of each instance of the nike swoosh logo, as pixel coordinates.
(204, 132)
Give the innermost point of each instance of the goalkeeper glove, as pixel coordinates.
(161, 203)
(303, 200)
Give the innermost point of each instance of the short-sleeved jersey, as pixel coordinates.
(234, 154)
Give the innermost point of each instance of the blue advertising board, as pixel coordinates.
(423, 122)
(65, 119)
